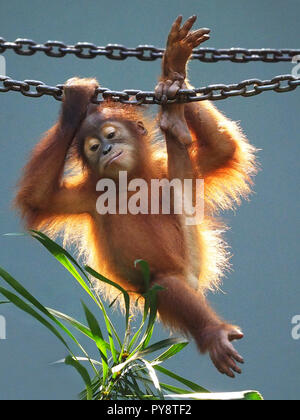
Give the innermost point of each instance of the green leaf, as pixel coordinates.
(110, 329)
(28, 296)
(79, 327)
(186, 382)
(79, 359)
(15, 234)
(118, 368)
(28, 309)
(136, 335)
(133, 386)
(145, 271)
(107, 320)
(167, 387)
(117, 286)
(83, 373)
(4, 302)
(96, 384)
(253, 396)
(65, 259)
(176, 348)
(153, 377)
(220, 396)
(98, 337)
(162, 344)
(150, 303)
(173, 389)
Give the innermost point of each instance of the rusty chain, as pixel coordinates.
(86, 50)
(246, 88)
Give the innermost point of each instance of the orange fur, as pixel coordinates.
(223, 187)
(57, 194)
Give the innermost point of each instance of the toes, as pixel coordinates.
(174, 88)
(81, 82)
(167, 90)
(195, 35)
(165, 93)
(159, 91)
(187, 27)
(198, 41)
(177, 23)
(175, 29)
(202, 39)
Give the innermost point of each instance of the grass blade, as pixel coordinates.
(79, 359)
(167, 387)
(28, 309)
(72, 321)
(98, 338)
(111, 283)
(107, 320)
(65, 259)
(186, 382)
(220, 396)
(145, 271)
(153, 377)
(176, 348)
(83, 373)
(110, 329)
(162, 344)
(28, 296)
(252, 396)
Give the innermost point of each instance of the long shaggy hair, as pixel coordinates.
(223, 190)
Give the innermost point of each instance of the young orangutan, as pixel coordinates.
(107, 139)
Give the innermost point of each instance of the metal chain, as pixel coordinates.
(28, 47)
(247, 88)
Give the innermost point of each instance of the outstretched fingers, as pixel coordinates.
(187, 27)
(193, 38)
(222, 363)
(197, 37)
(175, 29)
(225, 363)
(231, 351)
(223, 355)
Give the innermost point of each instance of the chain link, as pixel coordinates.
(246, 88)
(86, 50)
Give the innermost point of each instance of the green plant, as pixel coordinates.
(122, 371)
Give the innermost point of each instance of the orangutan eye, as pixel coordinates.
(92, 144)
(111, 135)
(95, 147)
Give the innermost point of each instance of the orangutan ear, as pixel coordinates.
(141, 128)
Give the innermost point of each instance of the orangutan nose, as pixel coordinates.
(107, 149)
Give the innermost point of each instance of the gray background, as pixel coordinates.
(262, 293)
